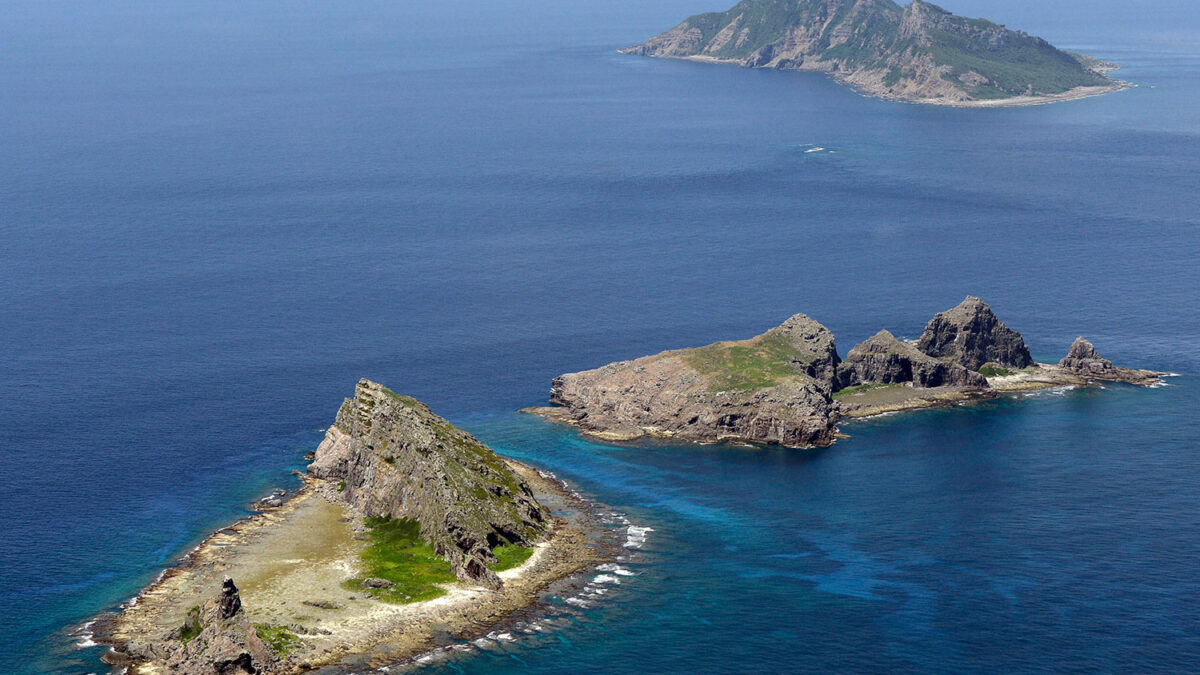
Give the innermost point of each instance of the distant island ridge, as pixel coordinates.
(788, 386)
(920, 53)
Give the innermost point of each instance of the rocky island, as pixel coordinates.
(789, 387)
(407, 529)
(920, 53)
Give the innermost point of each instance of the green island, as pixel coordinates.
(918, 53)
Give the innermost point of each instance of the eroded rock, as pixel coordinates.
(217, 637)
(971, 335)
(884, 359)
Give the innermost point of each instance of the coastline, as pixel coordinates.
(1073, 94)
(290, 562)
(884, 401)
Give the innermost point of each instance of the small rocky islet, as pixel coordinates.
(310, 581)
(789, 387)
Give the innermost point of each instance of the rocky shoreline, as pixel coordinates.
(331, 626)
(286, 590)
(789, 386)
(871, 88)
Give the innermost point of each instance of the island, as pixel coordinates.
(789, 387)
(407, 529)
(918, 54)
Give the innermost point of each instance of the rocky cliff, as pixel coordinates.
(883, 359)
(392, 457)
(918, 53)
(971, 335)
(773, 388)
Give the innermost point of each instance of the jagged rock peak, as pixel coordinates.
(884, 359)
(814, 343)
(218, 637)
(971, 335)
(395, 458)
(230, 602)
(1082, 358)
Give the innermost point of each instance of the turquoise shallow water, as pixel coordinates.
(215, 218)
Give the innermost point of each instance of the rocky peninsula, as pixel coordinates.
(920, 53)
(407, 529)
(789, 387)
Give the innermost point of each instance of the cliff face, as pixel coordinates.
(919, 52)
(774, 388)
(971, 335)
(394, 458)
(883, 359)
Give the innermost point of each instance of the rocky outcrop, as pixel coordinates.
(218, 638)
(392, 457)
(883, 359)
(1082, 359)
(1083, 362)
(774, 388)
(918, 53)
(971, 335)
(816, 350)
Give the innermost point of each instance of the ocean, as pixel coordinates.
(216, 217)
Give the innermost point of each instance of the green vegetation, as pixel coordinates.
(279, 638)
(1018, 63)
(510, 556)
(759, 363)
(406, 400)
(994, 370)
(397, 553)
(341, 486)
(868, 38)
(859, 389)
(191, 625)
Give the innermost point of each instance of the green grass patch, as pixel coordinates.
(279, 638)
(406, 400)
(397, 553)
(858, 389)
(739, 367)
(191, 625)
(994, 370)
(509, 556)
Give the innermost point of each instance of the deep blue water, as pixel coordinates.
(215, 217)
